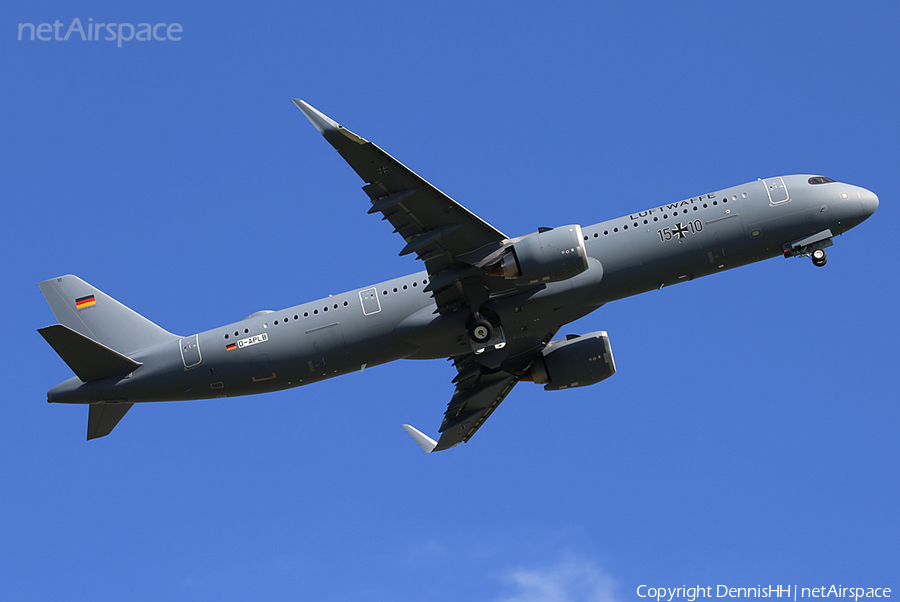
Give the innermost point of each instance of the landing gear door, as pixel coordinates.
(778, 192)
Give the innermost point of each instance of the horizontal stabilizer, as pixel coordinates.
(103, 418)
(424, 441)
(87, 358)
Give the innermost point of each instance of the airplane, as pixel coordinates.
(490, 303)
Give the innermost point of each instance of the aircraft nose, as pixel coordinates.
(869, 202)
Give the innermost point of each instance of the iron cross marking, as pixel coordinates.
(680, 230)
(382, 170)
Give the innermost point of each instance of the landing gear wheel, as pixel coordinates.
(819, 258)
(481, 331)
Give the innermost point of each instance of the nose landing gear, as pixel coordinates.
(819, 257)
(812, 246)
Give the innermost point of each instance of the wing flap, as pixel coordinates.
(419, 243)
(389, 201)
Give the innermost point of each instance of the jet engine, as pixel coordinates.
(549, 255)
(577, 361)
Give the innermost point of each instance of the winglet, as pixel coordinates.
(327, 126)
(425, 442)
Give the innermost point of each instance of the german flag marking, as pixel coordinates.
(83, 302)
(230, 347)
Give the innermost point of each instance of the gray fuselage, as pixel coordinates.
(396, 319)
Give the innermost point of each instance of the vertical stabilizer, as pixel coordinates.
(96, 315)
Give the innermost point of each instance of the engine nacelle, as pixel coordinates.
(576, 362)
(545, 256)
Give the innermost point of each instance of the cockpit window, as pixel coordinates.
(820, 180)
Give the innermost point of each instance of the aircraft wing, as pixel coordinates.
(477, 395)
(435, 227)
(480, 389)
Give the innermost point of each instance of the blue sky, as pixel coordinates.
(749, 436)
